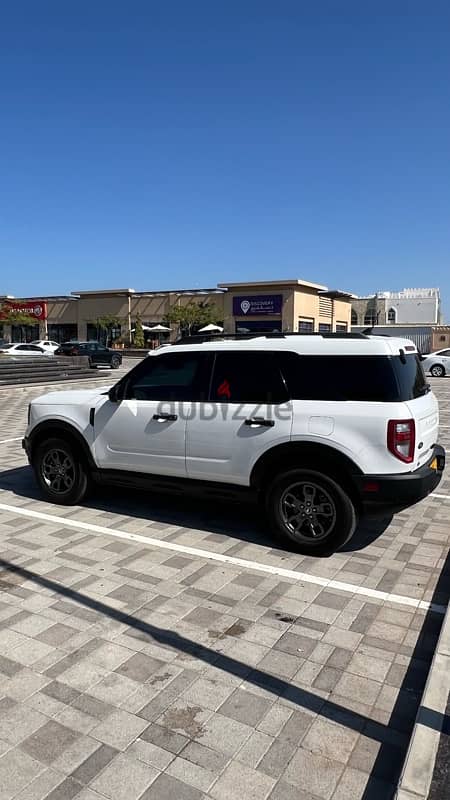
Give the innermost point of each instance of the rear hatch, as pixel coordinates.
(424, 410)
(416, 393)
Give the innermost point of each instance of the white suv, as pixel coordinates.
(320, 427)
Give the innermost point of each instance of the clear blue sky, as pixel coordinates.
(176, 144)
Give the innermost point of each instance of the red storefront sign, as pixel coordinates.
(36, 309)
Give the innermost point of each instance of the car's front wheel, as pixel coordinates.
(60, 472)
(437, 371)
(310, 510)
(115, 362)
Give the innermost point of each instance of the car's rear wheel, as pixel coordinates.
(437, 371)
(115, 362)
(60, 472)
(310, 510)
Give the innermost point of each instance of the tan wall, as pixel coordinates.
(441, 339)
(342, 312)
(152, 309)
(287, 314)
(306, 306)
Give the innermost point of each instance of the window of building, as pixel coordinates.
(324, 327)
(341, 327)
(24, 333)
(370, 318)
(62, 333)
(244, 377)
(442, 338)
(354, 317)
(306, 325)
(260, 326)
(392, 316)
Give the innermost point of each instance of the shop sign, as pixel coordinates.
(262, 304)
(36, 309)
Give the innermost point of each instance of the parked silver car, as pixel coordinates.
(438, 363)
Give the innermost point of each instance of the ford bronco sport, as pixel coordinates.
(323, 428)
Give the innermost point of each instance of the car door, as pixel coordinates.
(248, 412)
(143, 428)
(90, 349)
(102, 354)
(444, 356)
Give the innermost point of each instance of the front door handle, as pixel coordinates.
(165, 417)
(260, 422)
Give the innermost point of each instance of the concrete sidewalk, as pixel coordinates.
(426, 764)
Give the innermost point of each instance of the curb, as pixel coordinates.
(417, 773)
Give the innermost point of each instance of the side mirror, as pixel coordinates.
(113, 394)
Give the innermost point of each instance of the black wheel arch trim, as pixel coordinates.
(283, 455)
(50, 428)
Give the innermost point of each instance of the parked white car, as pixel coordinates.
(24, 350)
(438, 363)
(47, 344)
(319, 428)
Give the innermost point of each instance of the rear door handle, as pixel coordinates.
(260, 422)
(165, 417)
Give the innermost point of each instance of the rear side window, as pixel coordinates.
(247, 377)
(380, 379)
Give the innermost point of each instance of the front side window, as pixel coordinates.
(176, 377)
(247, 377)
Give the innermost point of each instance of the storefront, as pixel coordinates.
(289, 306)
(264, 307)
(23, 318)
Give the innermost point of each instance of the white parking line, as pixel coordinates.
(440, 496)
(243, 563)
(16, 439)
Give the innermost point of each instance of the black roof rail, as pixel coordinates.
(218, 337)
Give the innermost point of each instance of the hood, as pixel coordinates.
(72, 396)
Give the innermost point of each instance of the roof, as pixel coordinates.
(306, 345)
(103, 291)
(263, 284)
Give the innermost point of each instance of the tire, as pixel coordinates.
(314, 533)
(437, 371)
(115, 362)
(70, 485)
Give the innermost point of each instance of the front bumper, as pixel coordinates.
(26, 446)
(395, 492)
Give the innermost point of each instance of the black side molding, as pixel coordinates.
(91, 417)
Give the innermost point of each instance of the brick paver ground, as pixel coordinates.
(130, 671)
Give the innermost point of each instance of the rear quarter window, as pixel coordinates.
(381, 379)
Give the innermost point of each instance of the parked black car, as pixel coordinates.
(96, 352)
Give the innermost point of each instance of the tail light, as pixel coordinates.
(401, 439)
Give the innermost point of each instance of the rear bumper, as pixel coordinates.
(395, 492)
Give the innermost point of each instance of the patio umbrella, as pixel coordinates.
(161, 328)
(144, 328)
(211, 328)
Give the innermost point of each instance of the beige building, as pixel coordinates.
(284, 305)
